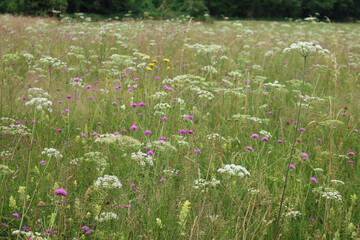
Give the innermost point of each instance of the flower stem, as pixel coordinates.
(276, 234)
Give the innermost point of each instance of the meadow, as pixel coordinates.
(178, 129)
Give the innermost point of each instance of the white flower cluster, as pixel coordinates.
(29, 235)
(305, 49)
(253, 190)
(162, 106)
(106, 216)
(275, 84)
(5, 154)
(209, 69)
(53, 62)
(202, 183)
(7, 126)
(52, 152)
(142, 158)
(39, 98)
(108, 182)
(235, 74)
(200, 48)
(98, 159)
(171, 171)
(332, 195)
(293, 214)
(119, 139)
(265, 133)
(337, 181)
(202, 93)
(235, 170)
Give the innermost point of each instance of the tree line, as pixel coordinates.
(337, 10)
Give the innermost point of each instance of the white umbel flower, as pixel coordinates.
(305, 49)
(235, 170)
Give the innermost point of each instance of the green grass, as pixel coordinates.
(235, 101)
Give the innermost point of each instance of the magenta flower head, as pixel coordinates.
(150, 153)
(59, 130)
(197, 151)
(182, 132)
(292, 166)
(164, 119)
(305, 155)
(314, 180)
(190, 132)
(265, 139)
(147, 132)
(190, 117)
(319, 140)
(94, 133)
(15, 215)
(351, 154)
(85, 228)
(133, 128)
(254, 136)
(249, 148)
(279, 141)
(302, 129)
(162, 180)
(133, 105)
(142, 104)
(116, 133)
(68, 96)
(60, 192)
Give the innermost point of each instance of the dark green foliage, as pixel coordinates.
(335, 10)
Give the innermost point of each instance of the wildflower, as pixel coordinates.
(254, 136)
(265, 139)
(197, 151)
(149, 69)
(150, 153)
(85, 228)
(182, 132)
(249, 148)
(235, 170)
(319, 140)
(190, 132)
(43, 163)
(305, 49)
(133, 105)
(302, 129)
(108, 182)
(68, 96)
(49, 231)
(279, 141)
(190, 117)
(99, 123)
(133, 128)
(292, 166)
(166, 60)
(59, 130)
(142, 104)
(147, 132)
(351, 154)
(314, 180)
(94, 133)
(305, 155)
(60, 192)
(15, 215)
(164, 119)
(162, 180)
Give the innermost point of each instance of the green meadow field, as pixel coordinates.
(179, 129)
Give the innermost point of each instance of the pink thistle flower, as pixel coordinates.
(279, 141)
(94, 133)
(150, 153)
(190, 117)
(83, 135)
(163, 180)
(67, 111)
(292, 166)
(319, 140)
(314, 180)
(58, 130)
(197, 151)
(305, 155)
(182, 132)
(133, 105)
(302, 129)
(249, 148)
(116, 133)
(147, 132)
(164, 118)
(254, 136)
(351, 154)
(142, 104)
(265, 139)
(60, 192)
(190, 132)
(16, 215)
(133, 128)
(43, 163)
(68, 96)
